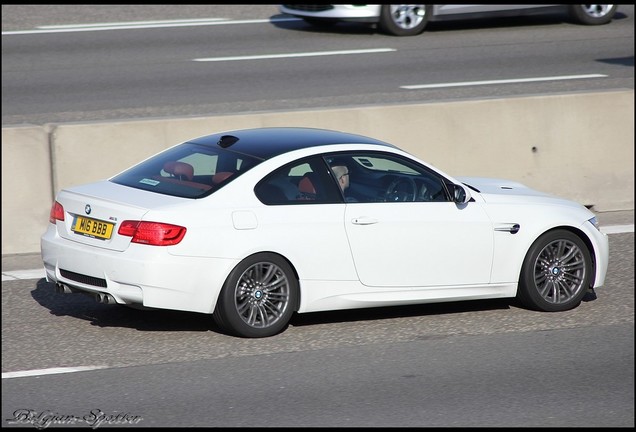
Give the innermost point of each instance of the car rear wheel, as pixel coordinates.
(258, 297)
(403, 20)
(592, 14)
(556, 272)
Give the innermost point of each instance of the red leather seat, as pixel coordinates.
(307, 188)
(221, 176)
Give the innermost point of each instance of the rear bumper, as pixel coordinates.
(144, 275)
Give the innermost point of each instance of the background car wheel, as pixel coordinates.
(258, 297)
(556, 272)
(592, 14)
(403, 20)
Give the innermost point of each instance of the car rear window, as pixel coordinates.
(187, 170)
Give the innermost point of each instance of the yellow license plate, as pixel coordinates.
(93, 228)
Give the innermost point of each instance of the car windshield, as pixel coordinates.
(188, 170)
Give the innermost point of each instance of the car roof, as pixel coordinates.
(265, 143)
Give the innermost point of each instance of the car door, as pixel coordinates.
(303, 216)
(413, 238)
(420, 244)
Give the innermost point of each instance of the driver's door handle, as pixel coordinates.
(363, 220)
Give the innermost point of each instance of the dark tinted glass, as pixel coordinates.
(187, 170)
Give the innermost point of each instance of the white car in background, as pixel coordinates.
(408, 20)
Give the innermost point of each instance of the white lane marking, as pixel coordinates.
(289, 55)
(39, 273)
(201, 21)
(142, 25)
(506, 81)
(618, 229)
(50, 371)
(23, 274)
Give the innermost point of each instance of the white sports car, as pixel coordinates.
(254, 225)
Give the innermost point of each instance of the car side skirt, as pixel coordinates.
(333, 295)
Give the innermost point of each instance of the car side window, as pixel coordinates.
(306, 181)
(382, 177)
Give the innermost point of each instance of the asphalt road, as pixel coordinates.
(255, 59)
(550, 378)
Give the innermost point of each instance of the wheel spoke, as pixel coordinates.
(546, 289)
(540, 279)
(563, 293)
(571, 254)
(254, 315)
(276, 285)
(278, 296)
(575, 265)
(274, 311)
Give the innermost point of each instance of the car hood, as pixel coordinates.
(494, 190)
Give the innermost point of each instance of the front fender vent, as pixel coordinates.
(512, 228)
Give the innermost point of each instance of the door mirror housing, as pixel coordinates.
(460, 194)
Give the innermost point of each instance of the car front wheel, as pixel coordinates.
(258, 297)
(556, 272)
(403, 20)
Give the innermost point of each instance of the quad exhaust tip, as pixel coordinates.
(63, 289)
(105, 298)
(99, 297)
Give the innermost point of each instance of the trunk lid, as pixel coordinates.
(94, 212)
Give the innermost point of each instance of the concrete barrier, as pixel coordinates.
(576, 145)
(26, 188)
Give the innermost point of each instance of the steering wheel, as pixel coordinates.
(401, 189)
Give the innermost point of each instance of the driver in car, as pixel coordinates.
(341, 172)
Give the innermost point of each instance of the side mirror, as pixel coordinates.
(459, 193)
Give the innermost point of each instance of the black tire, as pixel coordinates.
(258, 297)
(403, 20)
(556, 273)
(592, 14)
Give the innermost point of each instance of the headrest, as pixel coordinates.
(306, 186)
(182, 170)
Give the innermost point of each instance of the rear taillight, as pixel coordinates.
(152, 233)
(57, 213)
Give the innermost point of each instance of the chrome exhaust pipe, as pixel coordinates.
(62, 289)
(105, 298)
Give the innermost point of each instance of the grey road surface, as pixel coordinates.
(123, 72)
(571, 377)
